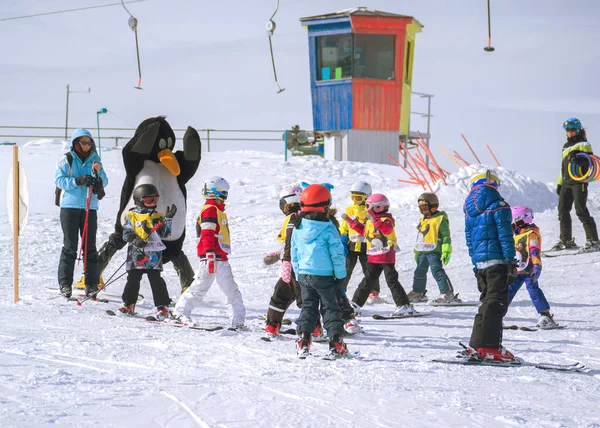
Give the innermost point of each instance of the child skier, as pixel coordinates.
(142, 228)
(354, 241)
(491, 246)
(317, 260)
(212, 227)
(433, 247)
(381, 241)
(287, 288)
(528, 244)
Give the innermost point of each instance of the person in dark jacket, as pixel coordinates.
(80, 177)
(571, 192)
(489, 234)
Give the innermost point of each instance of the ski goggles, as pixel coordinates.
(571, 126)
(379, 204)
(149, 200)
(84, 143)
(358, 197)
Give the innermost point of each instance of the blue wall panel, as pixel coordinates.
(332, 105)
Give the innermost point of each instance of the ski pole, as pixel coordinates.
(83, 247)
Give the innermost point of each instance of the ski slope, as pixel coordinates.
(69, 366)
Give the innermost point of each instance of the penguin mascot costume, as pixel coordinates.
(149, 158)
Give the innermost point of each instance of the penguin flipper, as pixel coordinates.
(189, 158)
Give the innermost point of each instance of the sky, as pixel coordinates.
(207, 64)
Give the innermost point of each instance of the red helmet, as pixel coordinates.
(315, 199)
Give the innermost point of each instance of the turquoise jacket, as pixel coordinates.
(317, 249)
(74, 196)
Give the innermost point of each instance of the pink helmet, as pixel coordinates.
(522, 214)
(377, 200)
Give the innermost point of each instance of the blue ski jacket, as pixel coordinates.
(317, 249)
(74, 196)
(488, 226)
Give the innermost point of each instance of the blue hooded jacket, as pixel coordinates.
(317, 249)
(488, 226)
(74, 196)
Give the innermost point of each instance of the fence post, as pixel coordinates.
(285, 145)
(16, 223)
(116, 141)
(208, 139)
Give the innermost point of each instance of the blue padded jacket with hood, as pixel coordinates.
(488, 226)
(74, 196)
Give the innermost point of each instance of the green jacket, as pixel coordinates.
(569, 152)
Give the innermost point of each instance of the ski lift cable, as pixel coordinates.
(270, 30)
(68, 10)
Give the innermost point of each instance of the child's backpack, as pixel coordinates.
(58, 191)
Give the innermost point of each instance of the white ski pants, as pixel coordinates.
(196, 292)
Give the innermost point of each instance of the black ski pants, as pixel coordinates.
(492, 282)
(575, 194)
(283, 296)
(351, 259)
(157, 284)
(72, 221)
(318, 289)
(391, 278)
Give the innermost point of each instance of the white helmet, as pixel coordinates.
(290, 194)
(361, 187)
(215, 188)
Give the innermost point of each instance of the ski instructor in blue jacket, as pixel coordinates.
(489, 233)
(78, 172)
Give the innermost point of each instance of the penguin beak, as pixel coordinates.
(166, 157)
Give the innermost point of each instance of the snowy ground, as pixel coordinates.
(63, 365)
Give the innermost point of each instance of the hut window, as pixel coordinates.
(374, 56)
(334, 59)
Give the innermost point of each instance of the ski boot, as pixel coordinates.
(415, 297)
(317, 333)
(185, 320)
(351, 326)
(447, 297)
(303, 346)
(546, 321)
(272, 330)
(66, 291)
(127, 309)
(355, 308)
(468, 353)
(565, 245)
(81, 283)
(337, 348)
(91, 291)
(591, 245)
(403, 311)
(374, 298)
(162, 313)
(496, 355)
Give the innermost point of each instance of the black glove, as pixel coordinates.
(98, 188)
(84, 180)
(147, 228)
(511, 274)
(137, 242)
(558, 187)
(171, 211)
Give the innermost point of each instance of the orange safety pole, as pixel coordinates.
(414, 175)
(431, 173)
(471, 148)
(426, 149)
(450, 156)
(403, 169)
(417, 166)
(460, 158)
(493, 155)
(408, 181)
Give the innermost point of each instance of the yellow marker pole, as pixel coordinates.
(16, 223)
(450, 156)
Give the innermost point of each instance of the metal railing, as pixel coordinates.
(107, 133)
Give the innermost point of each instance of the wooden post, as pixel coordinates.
(16, 223)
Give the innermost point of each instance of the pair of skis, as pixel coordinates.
(153, 320)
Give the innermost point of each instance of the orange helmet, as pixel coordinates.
(315, 199)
